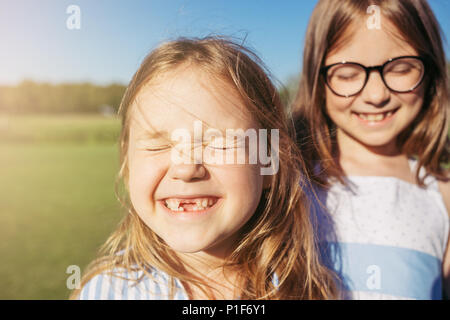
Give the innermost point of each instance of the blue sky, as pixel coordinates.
(115, 35)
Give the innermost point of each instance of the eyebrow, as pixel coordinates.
(153, 135)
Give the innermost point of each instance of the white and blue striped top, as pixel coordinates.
(385, 237)
(135, 286)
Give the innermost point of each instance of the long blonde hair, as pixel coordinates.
(279, 238)
(426, 138)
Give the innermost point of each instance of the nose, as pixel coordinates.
(187, 172)
(375, 91)
(186, 162)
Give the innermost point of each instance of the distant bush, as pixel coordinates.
(79, 129)
(30, 98)
(288, 91)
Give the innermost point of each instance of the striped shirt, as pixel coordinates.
(124, 285)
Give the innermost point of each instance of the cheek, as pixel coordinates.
(244, 187)
(336, 104)
(144, 176)
(411, 104)
(413, 100)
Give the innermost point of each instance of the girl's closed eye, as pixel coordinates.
(224, 144)
(346, 73)
(154, 146)
(158, 148)
(347, 76)
(225, 151)
(402, 68)
(215, 144)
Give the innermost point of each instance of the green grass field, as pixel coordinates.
(57, 200)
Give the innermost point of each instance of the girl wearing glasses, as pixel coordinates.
(372, 119)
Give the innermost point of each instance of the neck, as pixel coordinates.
(220, 281)
(357, 157)
(350, 146)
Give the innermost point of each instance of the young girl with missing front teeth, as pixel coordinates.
(373, 106)
(201, 229)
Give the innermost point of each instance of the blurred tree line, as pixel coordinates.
(32, 97)
(288, 91)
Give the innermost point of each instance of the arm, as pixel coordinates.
(444, 187)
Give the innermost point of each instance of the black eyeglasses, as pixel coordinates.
(401, 74)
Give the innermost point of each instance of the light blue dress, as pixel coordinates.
(385, 237)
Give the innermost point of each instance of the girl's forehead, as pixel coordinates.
(369, 45)
(178, 99)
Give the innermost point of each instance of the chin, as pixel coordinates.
(186, 245)
(376, 141)
(185, 249)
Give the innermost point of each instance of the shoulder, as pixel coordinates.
(125, 285)
(108, 285)
(444, 187)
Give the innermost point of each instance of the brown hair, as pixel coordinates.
(279, 237)
(426, 138)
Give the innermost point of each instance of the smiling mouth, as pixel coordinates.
(189, 205)
(375, 117)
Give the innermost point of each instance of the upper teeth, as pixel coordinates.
(200, 203)
(374, 117)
